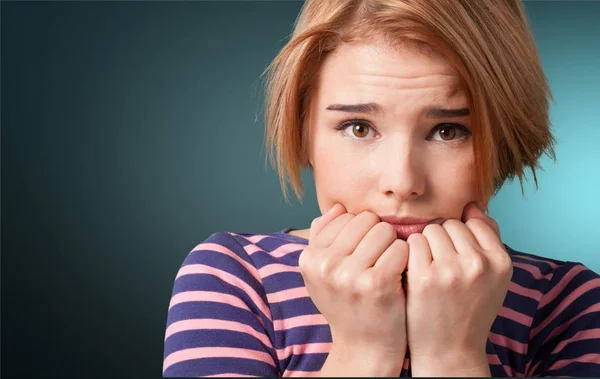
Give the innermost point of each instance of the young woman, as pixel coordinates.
(411, 115)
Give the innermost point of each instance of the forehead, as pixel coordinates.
(370, 65)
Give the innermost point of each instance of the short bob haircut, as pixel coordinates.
(490, 44)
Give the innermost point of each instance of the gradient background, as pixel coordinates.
(131, 131)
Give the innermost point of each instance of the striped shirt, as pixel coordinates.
(239, 308)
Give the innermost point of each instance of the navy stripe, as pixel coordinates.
(305, 362)
(576, 369)
(262, 258)
(588, 321)
(511, 329)
(207, 282)
(227, 264)
(190, 339)
(520, 303)
(576, 349)
(292, 308)
(526, 279)
(283, 281)
(305, 334)
(212, 366)
(228, 241)
(217, 311)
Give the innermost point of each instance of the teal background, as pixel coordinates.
(131, 131)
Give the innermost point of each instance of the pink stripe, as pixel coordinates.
(276, 268)
(528, 292)
(281, 251)
(561, 328)
(406, 363)
(534, 270)
(287, 249)
(587, 358)
(307, 348)
(560, 286)
(254, 239)
(217, 297)
(516, 316)
(305, 374)
(223, 250)
(594, 283)
(294, 322)
(229, 279)
(251, 249)
(529, 372)
(588, 334)
(509, 343)
(213, 324)
(551, 264)
(289, 294)
(215, 352)
(229, 375)
(494, 360)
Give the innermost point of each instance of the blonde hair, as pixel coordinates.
(488, 42)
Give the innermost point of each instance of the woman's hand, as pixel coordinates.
(353, 270)
(457, 278)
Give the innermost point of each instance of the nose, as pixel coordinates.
(402, 173)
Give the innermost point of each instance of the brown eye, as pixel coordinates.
(360, 131)
(448, 133)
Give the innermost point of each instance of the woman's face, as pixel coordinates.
(389, 132)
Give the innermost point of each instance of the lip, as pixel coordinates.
(406, 226)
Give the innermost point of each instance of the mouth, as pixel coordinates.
(405, 227)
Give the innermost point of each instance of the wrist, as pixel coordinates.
(452, 364)
(352, 360)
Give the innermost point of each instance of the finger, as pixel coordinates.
(486, 236)
(393, 261)
(440, 243)
(351, 235)
(419, 253)
(473, 210)
(320, 222)
(370, 248)
(462, 238)
(330, 231)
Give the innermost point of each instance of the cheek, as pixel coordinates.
(339, 174)
(455, 183)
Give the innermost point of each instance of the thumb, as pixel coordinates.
(474, 209)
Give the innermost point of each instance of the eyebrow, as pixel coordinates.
(374, 108)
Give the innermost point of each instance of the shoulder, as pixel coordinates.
(544, 273)
(244, 253)
(563, 338)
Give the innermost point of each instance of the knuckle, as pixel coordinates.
(341, 280)
(304, 259)
(326, 268)
(506, 264)
(477, 266)
(365, 283)
(420, 284)
(448, 278)
(371, 285)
